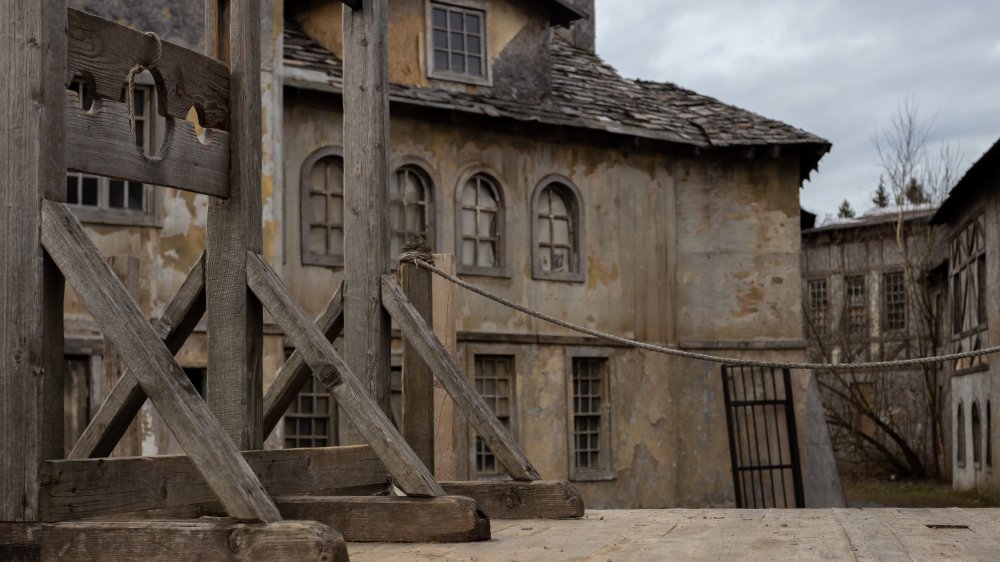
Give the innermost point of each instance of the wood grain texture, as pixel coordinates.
(127, 397)
(294, 373)
(418, 381)
(222, 539)
(126, 268)
(235, 377)
(539, 499)
(33, 47)
(391, 519)
(372, 424)
(444, 367)
(366, 196)
(447, 454)
(176, 399)
(99, 142)
(77, 489)
(103, 51)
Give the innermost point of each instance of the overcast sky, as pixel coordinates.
(837, 68)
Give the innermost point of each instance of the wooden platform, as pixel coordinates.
(679, 534)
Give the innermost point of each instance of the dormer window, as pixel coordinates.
(458, 42)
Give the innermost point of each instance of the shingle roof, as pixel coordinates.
(585, 92)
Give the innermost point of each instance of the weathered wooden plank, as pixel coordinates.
(407, 471)
(538, 499)
(104, 51)
(295, 371)
(393, 519)
(235, 319)
(367, 342)
(418, 381)
(447, 451)
(127, 397)
(99, 142)
(200, 434)
(77, 489)
(126, 268)
(33, 45)
(484, 421)
(220, 539)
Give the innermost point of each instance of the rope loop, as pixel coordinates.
(415, 258)
(137, 69)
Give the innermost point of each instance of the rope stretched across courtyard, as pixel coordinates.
(422, 258)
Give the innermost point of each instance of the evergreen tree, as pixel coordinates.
(881, 198)
(915, 193)
(845, 211)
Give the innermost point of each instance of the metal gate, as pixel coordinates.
(763, 441)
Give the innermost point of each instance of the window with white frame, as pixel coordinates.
(113, 201)
(458, 42)
(322, 202)
(411, 208)
(481, 226)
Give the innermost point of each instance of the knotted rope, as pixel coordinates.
(419, 257)
(137, 69)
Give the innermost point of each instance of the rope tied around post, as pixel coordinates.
(416, 251)
(416, 258)
(137, 69)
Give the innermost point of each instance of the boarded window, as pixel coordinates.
(458, 42)
(114, 201)
(495, 384)
(557, 237)
(977, 436)
(590, 438)
(894, 301)
(311, 420)
(969, 293)
(323, 208)
(960, 436)
(481, 226)
(818, 313)
(410, 208)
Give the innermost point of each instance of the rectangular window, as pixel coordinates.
(311, 421)
(114, 201)
(857, 306)
(894, 301)
(495, 384)
(589, 419)
(458, 42)
(818, 313)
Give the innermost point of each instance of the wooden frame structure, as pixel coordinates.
(87, 506)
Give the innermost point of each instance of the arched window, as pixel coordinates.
(557, 231)
(481, 226)
(960, 436)
(411, 208)
(977, 436)
(323, 208)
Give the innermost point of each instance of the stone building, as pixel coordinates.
(970, 219)
(869, 295)
(637, 208)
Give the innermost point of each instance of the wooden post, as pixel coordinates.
(235, 318)
(33, 62)
(127, 269)
(418, 381)
(446, 427)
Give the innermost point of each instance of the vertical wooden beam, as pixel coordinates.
(127, 269)
(418, 381)
(32, 63)
(366, 170)
(235, 319)
(446, 426)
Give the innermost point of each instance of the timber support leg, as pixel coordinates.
(538, 499)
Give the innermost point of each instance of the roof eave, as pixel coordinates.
(564, 13)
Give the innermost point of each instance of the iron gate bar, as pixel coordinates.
(754, 466)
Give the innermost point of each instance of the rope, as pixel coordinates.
(136, 69)
(419, 258)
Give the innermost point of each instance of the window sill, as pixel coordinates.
(318, 260)
(560, 277)
(460, 78)
(483, 272)
(107, 218)
(602, 476)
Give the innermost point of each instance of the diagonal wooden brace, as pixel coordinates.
(295, 372)
(448, 372)
(188, 417)
(328, 367)
(127, 397)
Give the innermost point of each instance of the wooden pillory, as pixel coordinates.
(88, 506)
